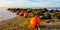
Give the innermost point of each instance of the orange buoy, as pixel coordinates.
(21, 13)
(34, 21)
(25, 14)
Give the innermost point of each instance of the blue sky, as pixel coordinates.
(29, 3)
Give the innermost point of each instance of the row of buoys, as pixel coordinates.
(19, 12)
(33, 21)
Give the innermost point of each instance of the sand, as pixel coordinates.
(19, 23)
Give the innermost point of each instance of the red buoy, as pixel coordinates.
(25, 14)
(17, 12)
(21, 13)
(34, 21)
(12, 11)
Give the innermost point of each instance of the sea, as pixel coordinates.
(5, 14)
(58, 8)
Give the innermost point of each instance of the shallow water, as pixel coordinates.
(5, 14)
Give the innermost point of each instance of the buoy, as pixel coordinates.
(21, 13)
(12, 11)
(17, 12)
(34, 21)
(25, 14)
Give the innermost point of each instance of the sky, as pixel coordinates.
(29, 3)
